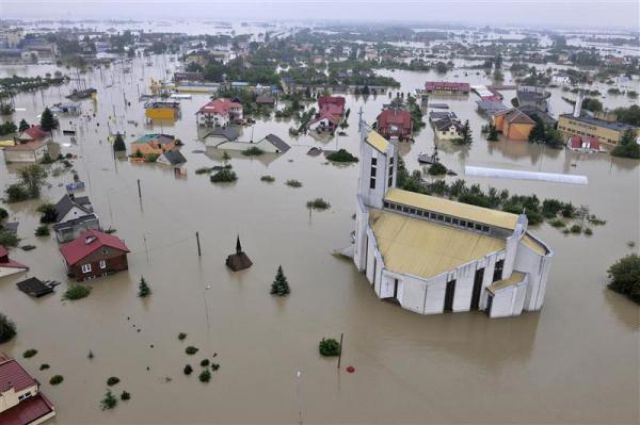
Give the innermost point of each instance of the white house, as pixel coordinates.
(434, 255)
(219, 113)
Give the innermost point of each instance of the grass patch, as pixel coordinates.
(76, 292)
(293, 183)
(56, 379)
(252, 151)
(318, 204)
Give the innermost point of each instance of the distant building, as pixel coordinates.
(173, 158)
(26, 152)
(162, 110)
(446, 125)
(9, 267)
(434, 255)
(587, 144)
(21, 402)
(219, 113)
(33, 134)
(513, 124)
(446, 88)
(395, 124)
(270, 144)
(153, 144)
(533, 96)
(94, 254)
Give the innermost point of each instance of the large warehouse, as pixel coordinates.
(433, 255)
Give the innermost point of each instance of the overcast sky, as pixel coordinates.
(601, 14)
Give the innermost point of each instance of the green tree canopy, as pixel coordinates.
(624, 277)
(47, 121)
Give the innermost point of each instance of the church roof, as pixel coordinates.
(426, 249)
(473, 213)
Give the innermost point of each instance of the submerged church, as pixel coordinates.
(433, 255)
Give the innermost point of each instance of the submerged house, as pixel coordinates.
(269, 144)
(21, 402)
(513, 124)
(162, 110)
(74, 215)
(433, 255)
(153, 144)
(94, 254)
(446, 88)
(446, 125)
(9, 267)
(330, 114)
(219, 113)
(395, 123)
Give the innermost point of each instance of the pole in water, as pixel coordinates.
(198, 242)
(340, 353)
(299, 396)
(139, 190)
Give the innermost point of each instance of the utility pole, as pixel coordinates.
(299, 396)
(198, 243)
(340, 354)
(139, 190)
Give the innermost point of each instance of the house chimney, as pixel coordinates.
(577, 109)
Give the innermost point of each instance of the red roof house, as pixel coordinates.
(21, 402)
(395, 123)
(8, 266)
(219, 113)
(446, 87)
(33, 133)
(94, 254)
(330, 113)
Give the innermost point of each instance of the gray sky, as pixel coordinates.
(601, 14)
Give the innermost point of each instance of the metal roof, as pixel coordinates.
(473, 213)
(377, 141)
(426, 249)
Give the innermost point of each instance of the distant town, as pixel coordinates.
(219, 213)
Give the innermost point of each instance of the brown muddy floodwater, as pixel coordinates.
(576, 361)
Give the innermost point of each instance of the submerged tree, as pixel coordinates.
(7, 329)
(118, 143)
(23, 125)
(47, 121)
(493, 133)
(280, 286)
(143, 288)
(32, 177)
(625, 277)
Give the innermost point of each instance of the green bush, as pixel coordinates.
(318, 204)
(3, 214)
(268, 179)
(252, 151)
(44, 366)
(187, 369)
(42, 230)
(624, 277)
(576, 228)
(143, 288)
(49, 213)
(109, 401)
(342, 155)
(293, 183)
(588, 231)
(29, 353)
(329, 347)
(224, 176)
(205, 376)
(557, 223)
(203, 170)
(113, 381)
(76, 292)
(191, 350)
(8, 239)
(215, 366)
(437, 169)
(16, 193)
(182, 336)
(7, 329)
(56, 379)
(125, 396)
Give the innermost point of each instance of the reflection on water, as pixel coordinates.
(558, 365)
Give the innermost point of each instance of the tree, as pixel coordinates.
(23, 125)
(47, 121)
(493, 133)
(49, 213)
(280, 286)
(7, 329)
(628, 146)
(465, 134)
(32, 177)
(118, 143)
(537, 133)
(624, 277)
(143, 288)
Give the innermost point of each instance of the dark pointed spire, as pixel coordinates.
(238, 246)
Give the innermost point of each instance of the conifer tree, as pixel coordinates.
(118, 144)
(23, 125)
(143, 288)
(47, 121)
(280, 286)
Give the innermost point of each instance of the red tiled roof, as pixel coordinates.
(219, 106)
(87, 243)
(588, 142)
(27, 411)
(335, 120)
(333, 105)
(12, 375)
(35, 132)
(394, 117)
(446, 85)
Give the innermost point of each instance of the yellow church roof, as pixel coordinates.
(426, 249)
(377, 141)
(469, 212)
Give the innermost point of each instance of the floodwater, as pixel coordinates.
(576, 361)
